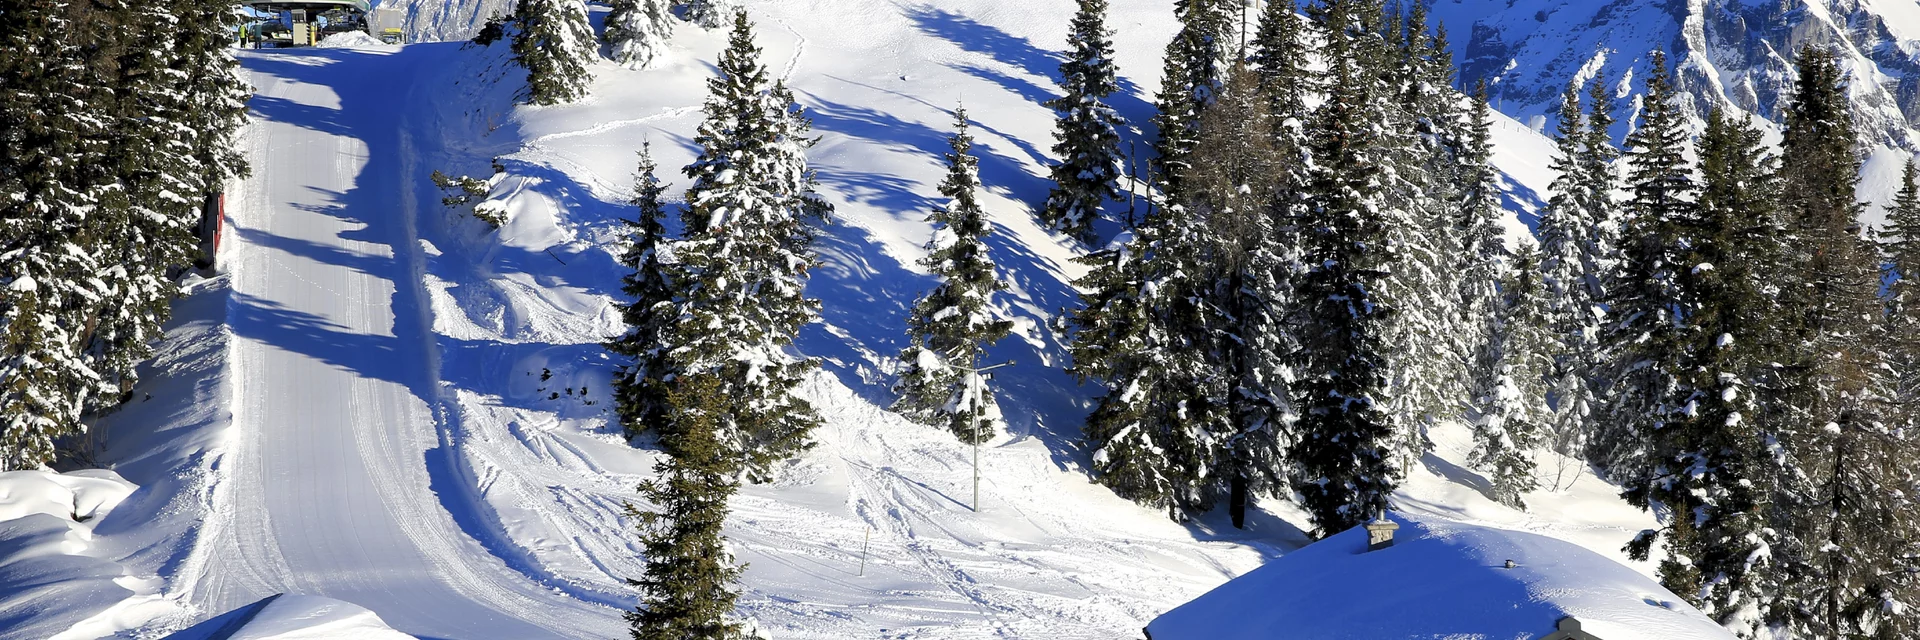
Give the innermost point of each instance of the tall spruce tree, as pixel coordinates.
(1237, 181)
(1707, 459)
(1196, 63)
(47, 271)
(953, 325)
(1278, 55)
(688, 590)
(1086, 136)
(217, 88)
(1901, 252)
(1484, 257)
(1843, 509)
(1109, 336)
(1642, 336)
(141, 228)
(740, 270)
(1340, 453)
(1599, 165)
(639, 387)
(1509, 411)
(1145, 332)
(1426, 198)
(553, 41)
(1574, 272)
(638, 32)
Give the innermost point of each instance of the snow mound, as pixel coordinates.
(293, 617)
(1440, 580)
(80, 496)
(353, 40)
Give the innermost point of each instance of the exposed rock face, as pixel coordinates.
(1729, 53)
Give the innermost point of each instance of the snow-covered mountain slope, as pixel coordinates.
(407, 410)
(1730, 53)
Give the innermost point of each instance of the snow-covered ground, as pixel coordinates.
(291, 617)
(1439, 579)
(388, 403)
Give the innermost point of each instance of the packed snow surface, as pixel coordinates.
(291, 617)
(1440, 579)
(388, 403)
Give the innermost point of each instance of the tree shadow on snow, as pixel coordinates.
(866, 301)
(1020, 53)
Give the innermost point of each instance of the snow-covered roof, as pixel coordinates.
(1439, 580)
(360, 5)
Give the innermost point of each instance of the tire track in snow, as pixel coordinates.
(614, 124)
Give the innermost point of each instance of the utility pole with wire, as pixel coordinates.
(976, 388)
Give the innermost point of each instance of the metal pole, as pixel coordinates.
(973, 415)
(976, 464)
(975, 387)
(863, 550)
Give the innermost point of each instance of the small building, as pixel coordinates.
(302, 23)
(1438, 579)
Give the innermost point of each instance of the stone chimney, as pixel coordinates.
(1380, 532)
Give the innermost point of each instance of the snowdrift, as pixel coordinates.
(292, 617)
(1439, 580)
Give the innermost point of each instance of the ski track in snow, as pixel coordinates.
(333, 488)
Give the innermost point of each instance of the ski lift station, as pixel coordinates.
(304, 23)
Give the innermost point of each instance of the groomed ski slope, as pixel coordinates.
(330, 486)
(419, 403)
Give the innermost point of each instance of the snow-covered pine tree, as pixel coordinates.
(709, 14)
(639, 32)
(1570, 274)
(1086, 136)
(1279, 58)
(48, 275)
(218, 90)
(1195, 64)
(1420, 140)
(639, 389)
(1235, 184)
(1642, 336)
(1108, 337)
(1483, 258)
(1278, 54)
(1708, 463)
(688, 592)
(1146, 332)
(740, 271)
(953, 325)
(554, 42)
(1900, 249)
(1143, 335)
(1340, 453)
(143, 225)
(1843, 509)
(1599, 166)
(1507, 400)
(1509, 413)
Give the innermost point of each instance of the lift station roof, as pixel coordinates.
(362, 6)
